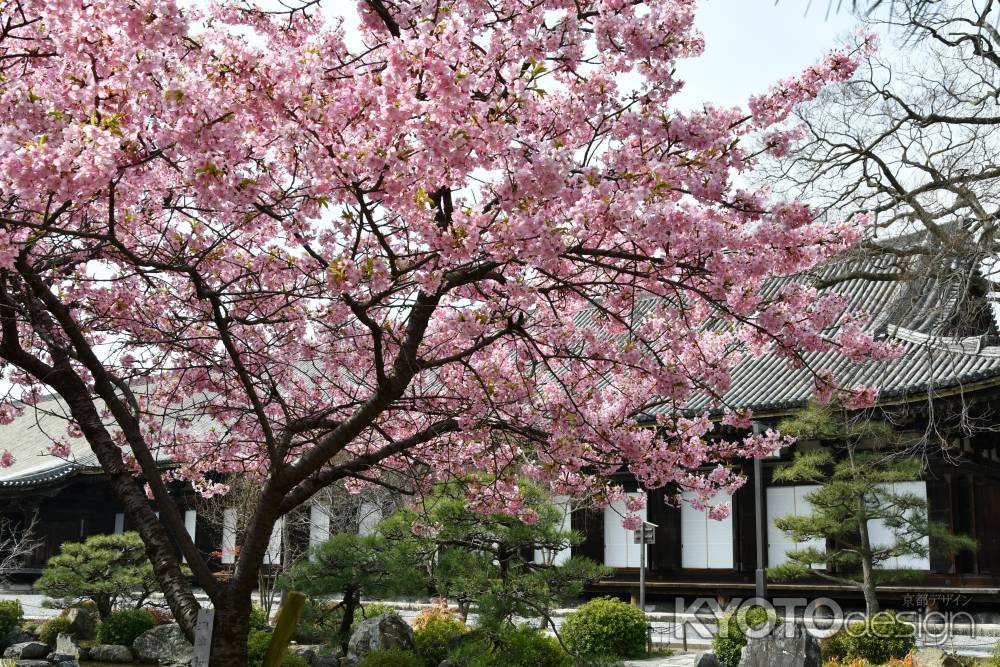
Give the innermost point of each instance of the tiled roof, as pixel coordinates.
(918, 314)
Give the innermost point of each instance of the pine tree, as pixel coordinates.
(856, 476)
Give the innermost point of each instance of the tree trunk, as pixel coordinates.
(229, 631)
(867, 566)
(104, 606)
(871, 600)
(865, 547)
(350, 604)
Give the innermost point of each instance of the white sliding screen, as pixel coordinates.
(785, 501)
(881, 535)
(705, 543)
(620, 549)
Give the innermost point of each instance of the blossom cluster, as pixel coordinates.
(451, 243)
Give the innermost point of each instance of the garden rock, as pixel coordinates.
(934, 657)
(32, 663)
(15, 636)
(305, 651)
(27, 651)
(111, 653)
(165, 644)
(68, 663)
(82, 623)
(778, 649)
(706, 660)
(66, 645)
(382, 632)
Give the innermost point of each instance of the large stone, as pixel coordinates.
(111, 653)
(381, 632)
(66, 645)
(164, 644)
(788, 646)
(706, 660)
(934, 657)
(68, 663)
(15, 636)
(27, 651)
(82, 623)
(305, 651)
(32, 663)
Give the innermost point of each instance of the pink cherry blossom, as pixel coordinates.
(448, 245)
(720, 511)
(59, 449)
(859, 397)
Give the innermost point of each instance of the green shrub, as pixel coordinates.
(51, 629)
(514, 647)
(391, 657)
(258, 618)
(124, 625)
(879, 638)
(731, 638)
(319, 623)
(606, 627)
(528, 647)
(432, 637)
(833, 647)
(11, 615)
(258, 641)
(375, 609)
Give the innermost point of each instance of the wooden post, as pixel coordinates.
(284, 626)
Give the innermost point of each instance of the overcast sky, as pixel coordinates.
(751, 44)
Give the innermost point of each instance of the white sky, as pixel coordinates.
(751, 44)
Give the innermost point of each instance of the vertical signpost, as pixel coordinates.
(644, 536)
(758, 498)
(203, 637)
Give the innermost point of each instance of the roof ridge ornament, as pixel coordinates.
(962, 344)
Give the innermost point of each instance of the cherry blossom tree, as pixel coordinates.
(467, 236)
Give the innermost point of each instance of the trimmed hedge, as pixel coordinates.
(607, 628)
(879, 638)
